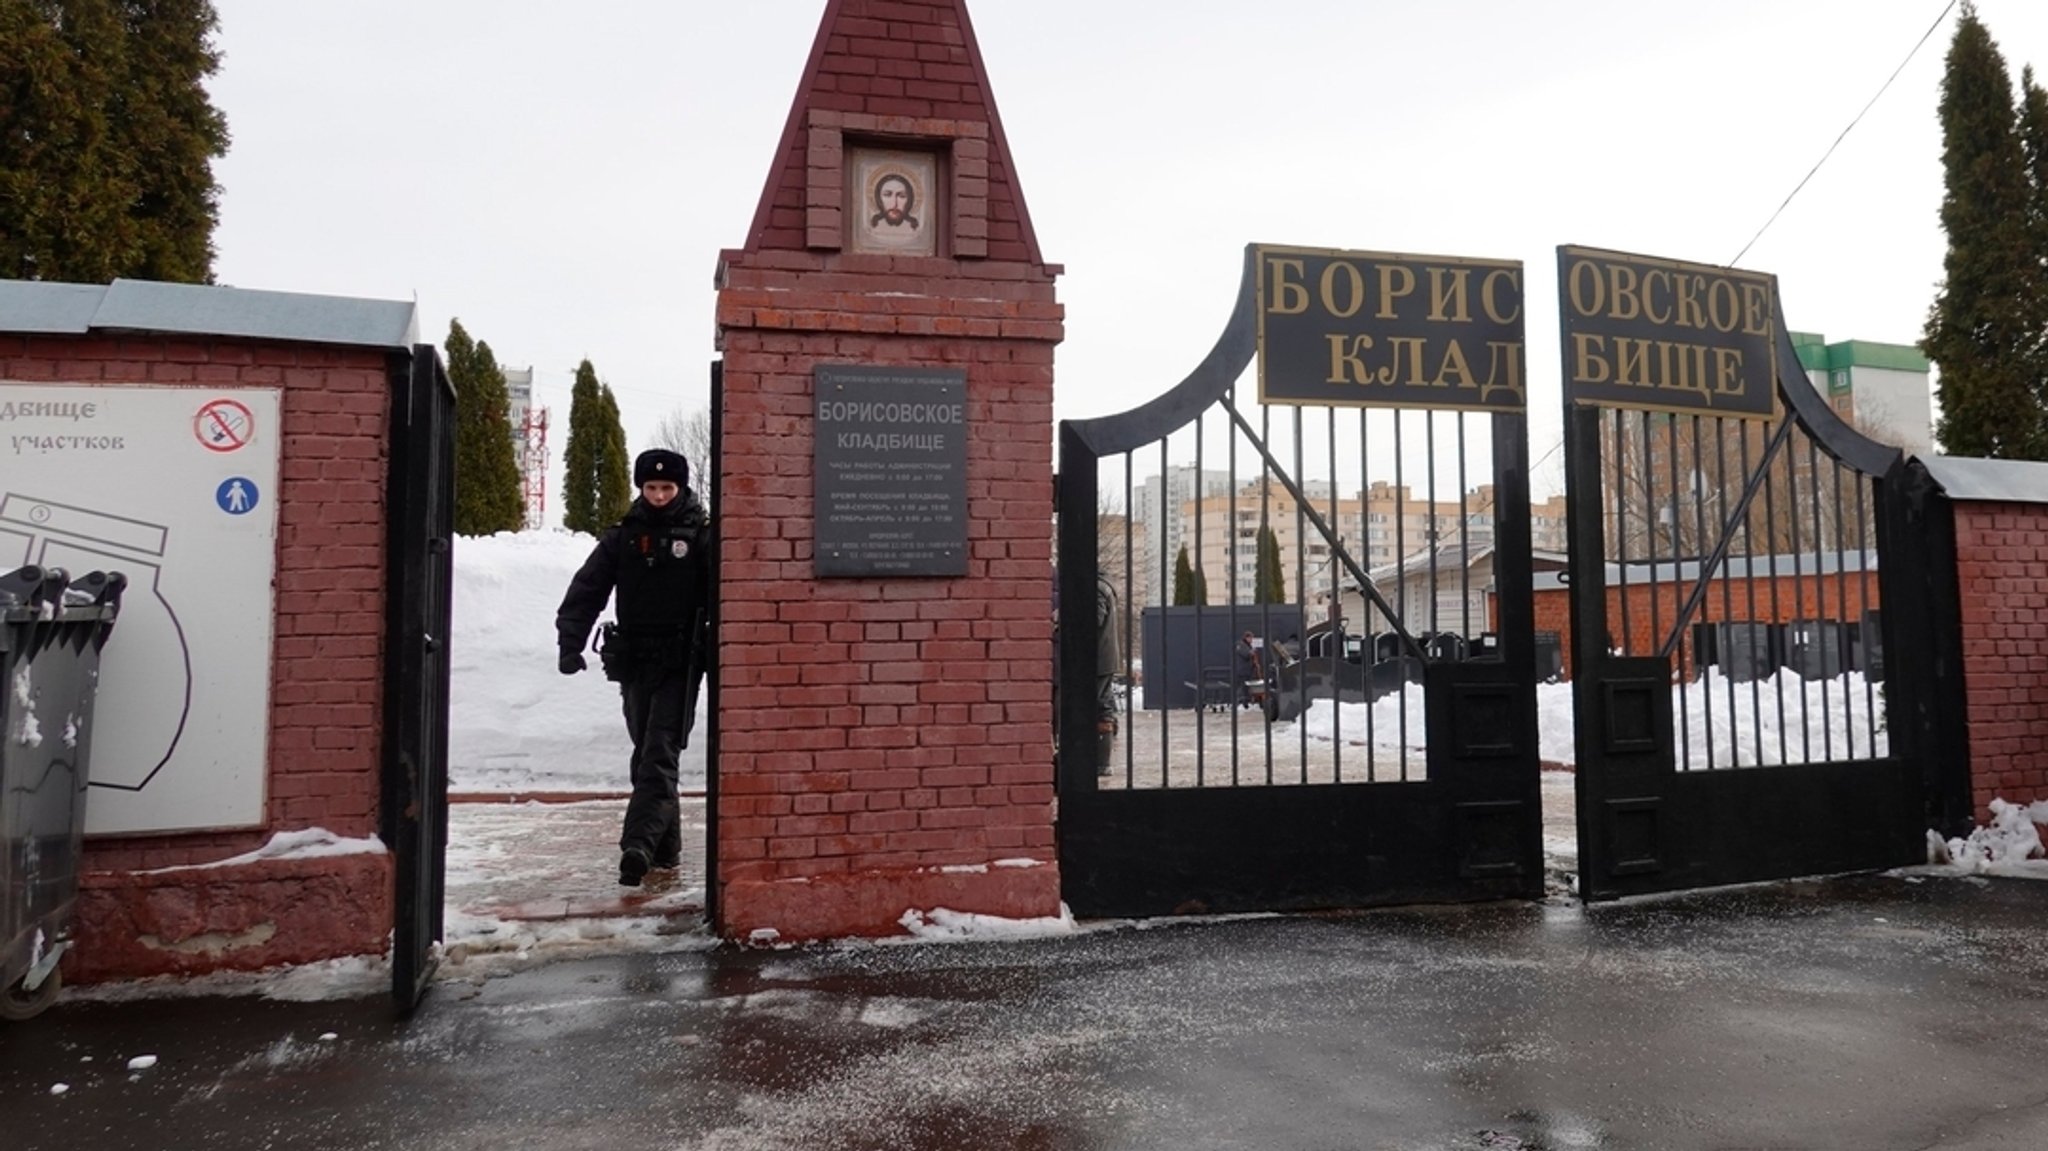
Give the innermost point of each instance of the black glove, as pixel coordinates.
(571, 662)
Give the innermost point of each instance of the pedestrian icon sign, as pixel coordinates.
(236, 495)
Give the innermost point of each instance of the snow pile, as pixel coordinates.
(1783, 719)
(1378, 723)
(31, 734)
(352, 977)
(982, 868)
(307, 843)
(2008, 847)
(515, 722)
(942, 925)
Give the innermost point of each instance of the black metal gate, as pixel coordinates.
(414, 811)
(1341, 720)
(1734, 596)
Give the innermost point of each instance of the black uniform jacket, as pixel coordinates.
(659, 560)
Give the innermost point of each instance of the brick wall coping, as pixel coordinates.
(128, 306)
(1990, 481)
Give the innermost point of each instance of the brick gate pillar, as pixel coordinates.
(885, 742)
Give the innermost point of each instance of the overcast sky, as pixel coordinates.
(562, 177)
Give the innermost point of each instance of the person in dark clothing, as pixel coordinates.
(1108, 661)
(1251, 671)
(658, 558)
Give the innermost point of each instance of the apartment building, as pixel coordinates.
(1375, 527)
(1883, 389)
(1158, 502)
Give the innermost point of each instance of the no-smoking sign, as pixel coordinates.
(223, 425)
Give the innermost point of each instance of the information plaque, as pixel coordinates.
(890, 471)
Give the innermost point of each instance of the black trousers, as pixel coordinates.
(658, 719)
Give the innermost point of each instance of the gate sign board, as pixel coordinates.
(1373, 329)
(890, 471)
(177, 489)
(1640, 332)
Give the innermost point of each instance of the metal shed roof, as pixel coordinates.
(200, 310)
(1965, 478)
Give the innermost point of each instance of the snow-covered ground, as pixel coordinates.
(515, 723)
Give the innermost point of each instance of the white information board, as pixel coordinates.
(177, 489)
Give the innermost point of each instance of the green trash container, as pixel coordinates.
(51, 631)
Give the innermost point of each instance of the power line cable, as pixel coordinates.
(1950, 7)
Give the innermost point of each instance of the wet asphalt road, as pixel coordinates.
(1862, 1013)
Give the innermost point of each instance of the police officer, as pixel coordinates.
(658, 557)
(1108, 661)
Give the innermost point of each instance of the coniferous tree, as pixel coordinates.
(107, 138)
(615, 468)
(2034, 146)
(169, 125)
(1269, 583)
(583, 456)
(1978, 330)
(487, 495)
(1189, 587)
(59, 218)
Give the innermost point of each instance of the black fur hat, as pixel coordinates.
(661, 464)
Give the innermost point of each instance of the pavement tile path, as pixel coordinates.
(533, 860)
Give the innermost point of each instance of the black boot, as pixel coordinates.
(633, 864)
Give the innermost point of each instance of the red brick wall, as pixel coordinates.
(325, 727)
(2002, 570)
(1553, 613)
(1811, 597)
(879, 725)
(875, 731)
